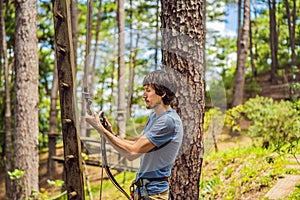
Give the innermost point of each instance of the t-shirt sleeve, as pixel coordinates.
(162, 131)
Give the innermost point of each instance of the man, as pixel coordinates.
(159, 144)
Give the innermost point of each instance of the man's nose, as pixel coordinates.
(144, 95)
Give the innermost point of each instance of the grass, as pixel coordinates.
(238, 173)
(232, 173)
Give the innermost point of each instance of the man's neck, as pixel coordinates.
(160, 109)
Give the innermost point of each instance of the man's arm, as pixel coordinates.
(129, 149)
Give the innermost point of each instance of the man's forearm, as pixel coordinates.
(123, 146)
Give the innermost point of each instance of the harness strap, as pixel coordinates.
(142, 182)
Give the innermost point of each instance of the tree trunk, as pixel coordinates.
(273, 38)
(53, 124)
(66, 77)
(291, 26)
(243, 43)
(96, 47)
(183, 40)
(156, 35)
(121, 115)
(87, 65)
(26, 98)
(131, 65)
(8, 134)
(239, 25)
(74, 24)
(254, 70)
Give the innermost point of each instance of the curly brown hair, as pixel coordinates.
(162, 84)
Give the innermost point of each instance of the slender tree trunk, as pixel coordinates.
(121, 115)
(273, 38)
(26, 98)
(291, 25)
(96, 47)
(183, 40)
(87, 65)
(51, 168)
(239, 25)
(156, 35)
(131, 66)
(8, 134)
(243, 43)
(112, 86)
(74, 24)
(254, 70)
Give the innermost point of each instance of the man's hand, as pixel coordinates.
(94, 121)
(107, 125)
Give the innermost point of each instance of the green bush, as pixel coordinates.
(277, 123)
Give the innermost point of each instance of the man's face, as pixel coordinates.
(151, 98)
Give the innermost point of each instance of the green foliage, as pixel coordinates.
(214, 116)
(277, 123)
(270, 122)
(229, 174)
(233, 116)
(16, 174)
(295, 194)
(56, 183)
(252, 88)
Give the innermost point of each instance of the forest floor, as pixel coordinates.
(283, 187)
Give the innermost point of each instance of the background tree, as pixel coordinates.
(242, 46)
(291, 19)
(273, 38)
(26, 106)
(121, 113)
(7, 77)
(181, 19)
(51, 169)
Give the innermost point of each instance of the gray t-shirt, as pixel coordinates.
(165, 132)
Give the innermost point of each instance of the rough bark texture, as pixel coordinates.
(183, 39)
(243, 43)
(26, 98)
(121, 118)
(66, 76)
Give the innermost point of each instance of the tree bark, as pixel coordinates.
(87, 65)
(254, 70)
(53, 124)
(98, 25)
(183, 40)
(291, 25)
(74, 24)
(156, 35)
(243, 43)
(131, 65)
(121, 113)
(66, 76)
(273, 38)
(26, 98)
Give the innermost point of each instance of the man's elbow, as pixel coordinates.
(133, 156)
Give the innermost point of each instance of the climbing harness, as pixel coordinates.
(142, 183)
